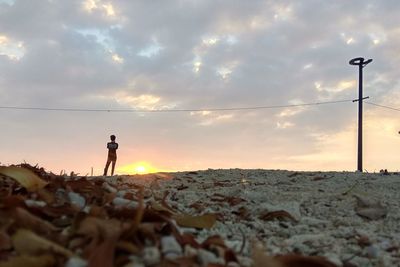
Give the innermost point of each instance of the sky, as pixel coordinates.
(198, 54)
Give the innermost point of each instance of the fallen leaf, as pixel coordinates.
(26, 242)
(261, 259)
(203, 221)
(182, 187)
(31, 261)
(294, 260)
(24, 177)
(25, 219)
(233, 201)
(214, 240)
(279, 214)
(242, 213)
(5, 241)
(104, 236)
(293, 174)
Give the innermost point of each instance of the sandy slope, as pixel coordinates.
(317, 211)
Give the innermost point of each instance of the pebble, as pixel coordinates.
(35, 203)
(122, 202)
(109, 188)
(206, 257)
(170, 247)
(77, 199)
(76, 262)
(151, 255)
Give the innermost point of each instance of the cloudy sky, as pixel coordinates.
(198, 54)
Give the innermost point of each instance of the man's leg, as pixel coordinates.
(106, 168)
(113, 167)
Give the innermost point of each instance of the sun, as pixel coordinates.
(140, 167)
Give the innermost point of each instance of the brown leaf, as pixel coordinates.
(188, 239)
(233, 201)
(214, 240)
(46, 196)
(203, 221)
(198, 206)
(182, 187)
(242, 213)
(24, 177)
(5, 241)
(26, 242)
(261, 259)
(25, 219)
(294, 260)
(279, 214)
(104, 235)
(128, 247)
(294, 174)
(31, 261)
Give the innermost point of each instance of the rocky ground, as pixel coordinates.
(352, 219)
(202, 218)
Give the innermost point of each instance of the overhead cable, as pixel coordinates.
(171, 110)
(382, 106)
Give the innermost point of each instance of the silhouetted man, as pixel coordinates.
(112, 155)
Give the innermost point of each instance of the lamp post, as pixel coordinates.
(361, 63)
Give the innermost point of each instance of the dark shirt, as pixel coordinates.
(112, 150)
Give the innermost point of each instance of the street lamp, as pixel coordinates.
(361, 63)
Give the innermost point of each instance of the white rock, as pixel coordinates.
(170, 245)
(122, 202)
(86, 209)
(298, 239)
(189, 251)
(151, 255)
(121, 193)
(205, 257)
(35, 203)
(334, 258)
(109, 188)
(77, 199)
(372, 251)
(76, 262)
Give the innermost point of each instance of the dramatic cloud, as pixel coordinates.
(191, 55)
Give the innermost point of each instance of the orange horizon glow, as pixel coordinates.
(139, 167)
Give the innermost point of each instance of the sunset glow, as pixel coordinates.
(141, 167)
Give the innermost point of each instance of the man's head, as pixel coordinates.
(112, 137)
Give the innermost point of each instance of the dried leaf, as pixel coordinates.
(279, 214)
(104, 235)
(31, 261)
(25, 219)
(198, 206)
(158, 207)
(5, 241)
(182, 187)
(261, 259)
(242, 213)
(25, 177)
(203, 221)
(26, 242)
(233, 201)
(214, 240)
(294, 260)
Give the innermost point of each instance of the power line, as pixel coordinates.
(382, 106)
(171, 110)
